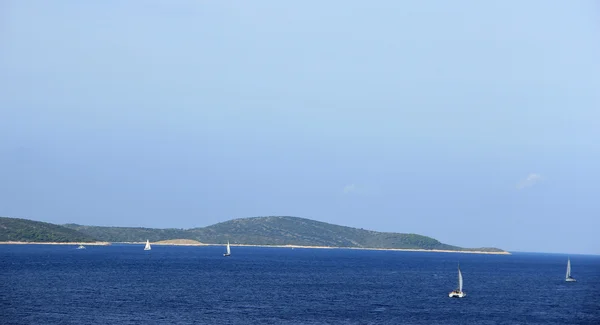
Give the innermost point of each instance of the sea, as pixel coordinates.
(123, 284)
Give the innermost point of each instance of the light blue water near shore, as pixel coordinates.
(122, 284)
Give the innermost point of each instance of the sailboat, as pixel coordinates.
(147, 247)
(228, 250)
(81, 247)
(568, 277)
(458, 293)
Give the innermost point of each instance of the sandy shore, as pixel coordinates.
(166, 243)
(97, 243)
(359, 248)
(179, 242)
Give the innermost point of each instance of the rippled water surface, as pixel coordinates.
(122, 284)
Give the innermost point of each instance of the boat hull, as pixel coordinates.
(457, 294)
(226, 255)
(570, 280)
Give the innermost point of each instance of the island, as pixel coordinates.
(273, 231)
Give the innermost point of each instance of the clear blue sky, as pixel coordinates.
(474, 122)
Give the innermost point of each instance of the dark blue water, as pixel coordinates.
(42, 284)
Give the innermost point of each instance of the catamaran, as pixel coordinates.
(458, 293)
(228, 250)
(568, 277)
(147, 247)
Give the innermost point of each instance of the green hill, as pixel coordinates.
(275, 231)
(131, 234)
(300, 231)
(23, 230)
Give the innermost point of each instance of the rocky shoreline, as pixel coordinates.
(371, 249)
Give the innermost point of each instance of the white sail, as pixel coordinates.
(460, 280)
(147, 247)
(228, 249)
(458, 293)
(568, 268)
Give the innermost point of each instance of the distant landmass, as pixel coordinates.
(24, 230)
(275, 230)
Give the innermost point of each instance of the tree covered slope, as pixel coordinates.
(274, 231)
(23, 230)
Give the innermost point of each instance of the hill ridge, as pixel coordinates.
(25, 230)
(276, 230)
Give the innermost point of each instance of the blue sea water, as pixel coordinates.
(122, 284)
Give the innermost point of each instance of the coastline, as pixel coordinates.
(370, 249)
(97, 243)
(328, 247)
(179, 242)
(164, 244)
(266, 246)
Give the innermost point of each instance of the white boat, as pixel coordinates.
(81, 247)
(228, 250)
(458, 293)
(147, 247)
(568, 277)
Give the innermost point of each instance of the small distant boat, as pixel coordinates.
(228, 250)
(147, 247)
(568, 277)
(458, 293)
(81, 247)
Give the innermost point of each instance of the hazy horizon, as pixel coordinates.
(470, 122)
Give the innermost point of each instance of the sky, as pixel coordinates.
(473, 122)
